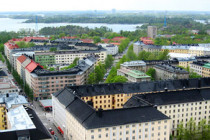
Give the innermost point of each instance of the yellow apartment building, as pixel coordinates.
(3, 118)
(80, 120)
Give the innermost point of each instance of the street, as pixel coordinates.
(46, 118)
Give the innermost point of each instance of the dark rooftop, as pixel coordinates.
(200, 63)
(39, 133)
(141, 87)
(172, 69)
(90, 118)
(2, 73)
(171, 97)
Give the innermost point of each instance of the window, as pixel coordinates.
(99, 136)
(92, 137)
(99, 130)
(127, 132)
(106, 134)
(92, 131)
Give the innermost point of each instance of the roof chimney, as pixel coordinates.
(7, 95)
(99, 112)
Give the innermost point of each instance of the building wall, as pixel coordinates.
(185, 64)
(205, 72)
(137, 48)
(141, 68)
(164, 75)
(18, 69)
(3, 118)
(69, 58)
(112, 50)
(45, 59)
(186, 51)
(196, 68)
(184, 112)
(155, 130)
(196, 52)
(44, 86)
(152, 31)
(28, 77)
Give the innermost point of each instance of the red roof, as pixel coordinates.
(118, 38)
(28, 39)
(115, 43)
(21, 58)
(32, 66)
(11, 45)
(106, 40)
(147, 40)
(69, 37)
(87, 40)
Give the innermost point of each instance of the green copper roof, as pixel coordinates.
(137, 74)
(207, 65)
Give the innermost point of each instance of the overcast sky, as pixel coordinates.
(63, 5)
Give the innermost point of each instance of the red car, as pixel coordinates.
(51, 131)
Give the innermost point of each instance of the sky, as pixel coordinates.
(68, 5)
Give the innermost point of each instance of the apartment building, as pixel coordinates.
(30, 69)
(14, 56)
(80, 121)
(113, 96)
(176, 49)
(24, 124)
(137, 65)
(180, 106)
(138, 47)
(68, 57)
(164, 71)
(152, 32)
(201, 67)
(185, 62)
(8, 86)
(199, 50)
(45, 82)
(3, 118)
(8, 47)
(110, 48)
(45, 58)
(133, 75)
(19, 61)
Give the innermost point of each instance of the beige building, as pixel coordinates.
(201, 68)
(137, 65)
(152, 31)
(133, 75)
(164, 71)
(19, 61)
(45, 82)
(67, 57)
(79, 121)
(180, 106)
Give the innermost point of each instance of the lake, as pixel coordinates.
(7, 24)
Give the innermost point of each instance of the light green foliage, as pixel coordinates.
(130, 54)
(109, 61)
(119, 79)
(193, 131)
(112, 75)
(71, 65)
(123, 45)
(96, 39)
(23, 44)
(1, 57)
(52, 69)
(151, 73)
(62, 35)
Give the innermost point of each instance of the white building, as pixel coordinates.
(111, 48)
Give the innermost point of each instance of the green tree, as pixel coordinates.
(119, 79)
(109, 61)
(194, 75)
(96, 39)
(53, 49)
(62, 35)
(91, 78)
(151, 72)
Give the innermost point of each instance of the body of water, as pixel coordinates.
(7, 24)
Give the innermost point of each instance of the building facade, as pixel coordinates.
(133, 75)
(163, 72)
(152, 31)
(97, 125)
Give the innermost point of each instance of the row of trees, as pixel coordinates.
(98, 74)
(193, 131)
(123, 45)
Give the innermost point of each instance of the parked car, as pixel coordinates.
(51, 131)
